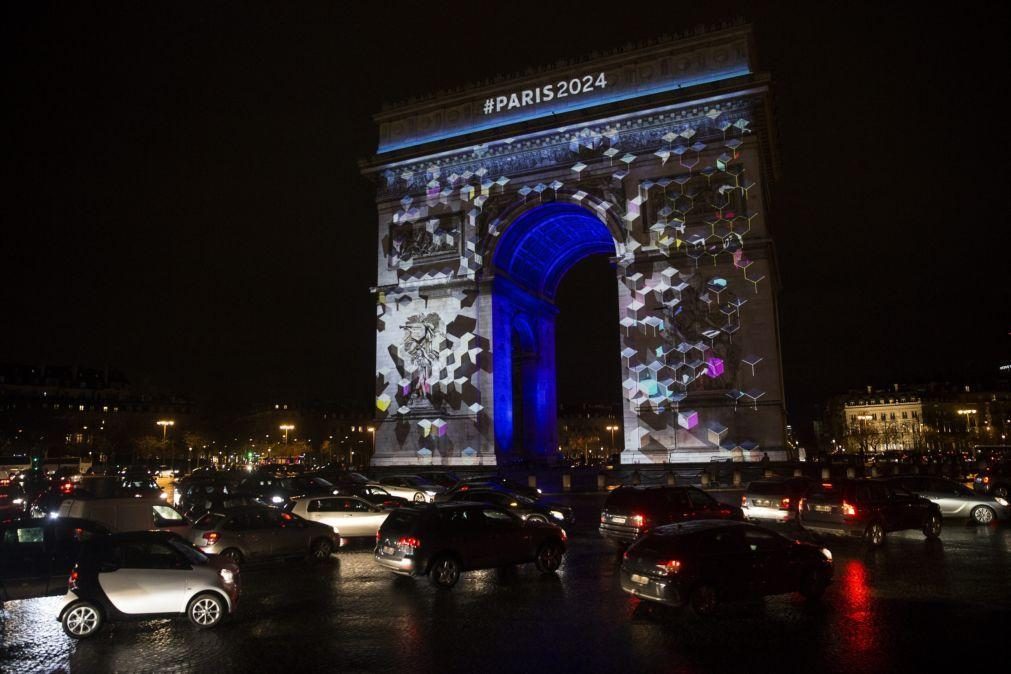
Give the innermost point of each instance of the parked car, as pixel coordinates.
(489, 481)
(125, 514)
(527, 508)
(954, 499)
(36, 555)
(774, 500)
(867, 508)
(260, 532)
(372, 493)
(443, 478)
(279, 490)
(146, 574)
(411, 487)
(349, 516)
(13, 501)
(442, 540)
(629, 512)
(704, 563)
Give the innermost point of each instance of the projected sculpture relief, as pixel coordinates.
(475, 238)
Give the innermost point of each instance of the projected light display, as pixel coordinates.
(475, 240)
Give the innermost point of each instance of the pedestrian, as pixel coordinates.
(765, 459)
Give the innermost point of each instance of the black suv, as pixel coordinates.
(703, 563)
(631, 511)
(441, 540)
(868, 509)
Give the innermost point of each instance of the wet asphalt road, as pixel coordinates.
(906, 607)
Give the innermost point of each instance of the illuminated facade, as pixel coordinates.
(660, 159)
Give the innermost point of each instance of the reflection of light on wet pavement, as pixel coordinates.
(32, 639)
(856, 602)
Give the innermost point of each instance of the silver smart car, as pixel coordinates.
(955, 500)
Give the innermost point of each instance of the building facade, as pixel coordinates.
(659, 158)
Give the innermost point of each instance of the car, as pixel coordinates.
(490, 481)
(867, 508)
(279, 490)
(441, 540)
(954, 499)
(527, 508)
(773, 500)
(350, 516)
(995, 480)
(250, 533)
(13, 502)
(706, 562)
(196, 498)
(629, 512)
(144, 575)
(125, 514)
(372, 493)
(443, 478)
(36, 555)
(411, 487)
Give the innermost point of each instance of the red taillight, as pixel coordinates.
(211, 537)
(409, 543)
(744, 500)
(671, 566)
(66, 488)
(848, 509)
(72, 581)
(784, 503)
(377, 536)
(638, 521)
(986, 479)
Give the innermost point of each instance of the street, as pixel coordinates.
(901, 608)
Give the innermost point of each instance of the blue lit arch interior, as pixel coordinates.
(533, 255)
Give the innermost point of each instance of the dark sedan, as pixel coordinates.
(527, 508)
(629, 512)
(704, 563)
(489, 481)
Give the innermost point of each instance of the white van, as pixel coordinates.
(126, 514)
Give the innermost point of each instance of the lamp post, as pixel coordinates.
(165, 423)
(286, 428)
(612, 429)
(372, 430)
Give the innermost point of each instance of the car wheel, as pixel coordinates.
(932, 527)
(875, 534)
(445, 572)
(320, 550)
(419, 497)
(233, 555)
(549, 557)
(813, 584)
(703, 600)
(538, 518)
(982, 514)
(206, 610)
(1000, 491)
(82, 620)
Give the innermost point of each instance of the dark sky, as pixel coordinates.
(182, 200)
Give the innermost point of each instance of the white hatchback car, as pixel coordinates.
(349, 516)
(412, 487)
(146, 574)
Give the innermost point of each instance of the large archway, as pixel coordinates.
(533, 255)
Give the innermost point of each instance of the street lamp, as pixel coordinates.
(612, 429)
(372, 430)
(165, 423)
(286, 428)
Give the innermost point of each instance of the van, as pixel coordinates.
(126, 514)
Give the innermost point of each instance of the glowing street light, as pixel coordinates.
(286, 428)
(165, 423)
(612, 429)
(372, 430)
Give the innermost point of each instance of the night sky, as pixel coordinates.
(182, 198)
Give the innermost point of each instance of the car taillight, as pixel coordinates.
(211, 537)
(800, 504)
(784, 503)
(72, 581)
(744, 500)
(637, 521)
(669, 567)
(986, 479)
(848, 509)
(408, 543)
(377, 536)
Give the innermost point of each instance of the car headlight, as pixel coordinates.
(227, 576)
(557, 514)
(53, 515)
(998, 499)
(163, 496)
(276, 499)
(19, 501)
(827, 553)
(539, 491)
(430, 494)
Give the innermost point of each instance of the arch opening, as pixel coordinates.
(533, 255)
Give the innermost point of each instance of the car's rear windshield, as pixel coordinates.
(826, 492)
(655, 545)
(400, 520)
(633, 498)
(209, 521)
(767, 488)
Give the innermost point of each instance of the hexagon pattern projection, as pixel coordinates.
(678, 191)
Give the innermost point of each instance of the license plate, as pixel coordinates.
(639, 580)
(823, 509)
(618, 520)
(388, 550)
